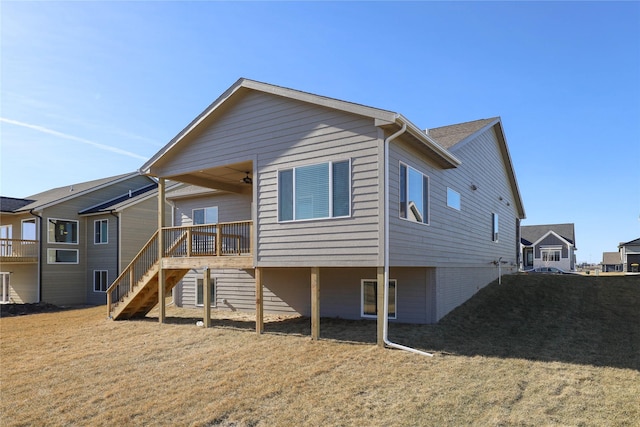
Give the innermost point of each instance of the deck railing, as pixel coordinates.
(16, 248)
(222, 239)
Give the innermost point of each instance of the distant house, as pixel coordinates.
(611, 262)
(630, 255)
(66, 245)
(311, 205)
(550, 245)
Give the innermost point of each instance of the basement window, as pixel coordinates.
(369, 305)
(100, 280)
(200, 291)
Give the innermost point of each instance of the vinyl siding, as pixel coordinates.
(137, 224)
(101, 256)
(457, 285)
(455, 237)
(278, 133)
(23, 283)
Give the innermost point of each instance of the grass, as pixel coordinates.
(534, 351)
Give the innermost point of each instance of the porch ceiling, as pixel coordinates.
(229, 178)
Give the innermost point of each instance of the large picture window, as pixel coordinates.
(101, 231)
(315, 191)
(63, 231)
(370, 298)
(551, 255)
(414, 195)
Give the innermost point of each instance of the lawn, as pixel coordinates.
(533, 351)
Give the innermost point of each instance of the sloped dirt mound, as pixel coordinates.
(9, 310)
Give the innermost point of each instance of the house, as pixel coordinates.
(611, 261)
(630, 256)
(305, 204)
(550, 245)
(66, 245)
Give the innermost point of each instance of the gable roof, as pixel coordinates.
(610, 258)
(635, 242)
(448, 136)
(529, 234)
(11, 204)
(68, 192)
(124, 199)
(383, 118)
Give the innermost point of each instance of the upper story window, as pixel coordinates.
(414, 195)
(453, 199)
(63, 231)
(494, 219)
(205, 216)
(316, 191)
(101, 231)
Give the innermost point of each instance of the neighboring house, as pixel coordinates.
(66, 245)
(307, 204)
(630, 256)
(550, 245)
(611, 261)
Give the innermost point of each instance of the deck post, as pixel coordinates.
(161, 273)
(206, 297)
(259, 304)
(315, 303)
(380, 306)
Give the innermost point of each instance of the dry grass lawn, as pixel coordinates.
(535, 351)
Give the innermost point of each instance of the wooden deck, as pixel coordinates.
(16, 251)
(224, 245)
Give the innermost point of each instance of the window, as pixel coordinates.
(549, 255)
(63, 231)
(453, 199)
(100, 282)
(28, 229)
(414, 195)
(315, 191)
(494, 220)
(205, 216)
(5, 243)
(5, 290)
(101, 231)
(200, 291)
(370, 298)
(62, 256)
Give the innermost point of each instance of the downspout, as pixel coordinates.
(385, 329)
(40, 232)
(117, 242)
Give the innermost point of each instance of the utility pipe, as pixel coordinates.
(385, 328)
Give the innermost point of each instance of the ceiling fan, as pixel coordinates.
(247, 179)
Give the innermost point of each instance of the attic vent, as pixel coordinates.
(426, 131)
(71, 188)
(129, 193)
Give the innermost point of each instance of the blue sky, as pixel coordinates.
(92, 89)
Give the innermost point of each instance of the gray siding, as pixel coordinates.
(23, 282)
(137, 225)
(101, 256)
(279, 133)
(231, 207)
(457, 285)
(455, 237)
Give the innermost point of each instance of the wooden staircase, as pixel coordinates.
(135, 292)
(144, 295)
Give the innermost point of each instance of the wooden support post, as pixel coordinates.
(259, 304)
(189, 242)
(315, 303)
(380, 306)
(206, 297)
(218, 240)
(161, 273)
(109, 304)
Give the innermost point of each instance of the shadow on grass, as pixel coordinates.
(572, 319)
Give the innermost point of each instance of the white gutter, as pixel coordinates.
(385, 329)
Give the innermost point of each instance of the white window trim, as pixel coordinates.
(94, 232)
(428, 195)
(459, 208)
(495, 227)
(551, 249)
(35, 230)
(63, 219)
(214, 297)
(94, 281)
(63, 249)
(193, 214)
(375, 316)
(330, 163)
